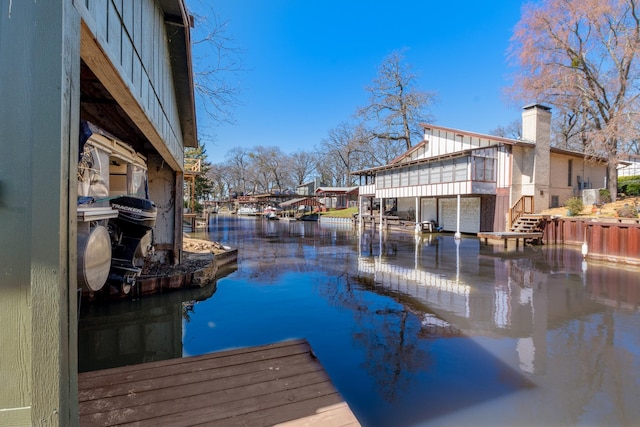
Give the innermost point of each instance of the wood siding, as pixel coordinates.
(39, 127)
(442, 142)
(142, 61)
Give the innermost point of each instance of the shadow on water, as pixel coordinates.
(412, 330)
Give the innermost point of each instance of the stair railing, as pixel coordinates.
(523, 206)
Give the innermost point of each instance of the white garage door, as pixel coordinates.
(469, 214)
(428, 210)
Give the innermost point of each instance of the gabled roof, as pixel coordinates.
(398, 161)
(409, 152)
(303, 201)
(336, 190)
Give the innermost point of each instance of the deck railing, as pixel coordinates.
(523, 206)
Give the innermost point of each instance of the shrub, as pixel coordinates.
(605, 196)
(627, 211)
(574, 206)
(629, 185)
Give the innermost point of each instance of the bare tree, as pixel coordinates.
(217, 62)
(343, 150)
(302, 164)
(270, 165)
(396, 107)
(513, 130)
(221, 180)
(238, 164)
(581, 55)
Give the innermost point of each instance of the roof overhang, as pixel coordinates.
(373, 171)
(177, 26)
(500, 139)
(304, 201)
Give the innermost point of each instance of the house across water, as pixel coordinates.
(483, 177)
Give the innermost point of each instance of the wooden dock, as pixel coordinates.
(275, 384)
(510, 235)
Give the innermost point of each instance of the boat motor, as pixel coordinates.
(131, 235)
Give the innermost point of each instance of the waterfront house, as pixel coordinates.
(483, 177)
(337, 197)
(126, 68)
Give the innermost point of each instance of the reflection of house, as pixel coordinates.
(491, 174)
(337, 197)
(147, 331)
(125, 67)
(520, 298)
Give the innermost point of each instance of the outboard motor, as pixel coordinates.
(131, 235)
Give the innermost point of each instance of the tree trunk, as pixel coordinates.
(612, 180)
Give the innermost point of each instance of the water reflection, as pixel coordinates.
(133, 332)
(416, 330)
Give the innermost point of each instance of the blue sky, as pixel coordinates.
(307, 64)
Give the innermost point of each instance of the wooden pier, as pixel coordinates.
(280, 383)
(511, 235)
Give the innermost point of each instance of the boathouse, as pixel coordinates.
(125, 67)
(482, 177)
(337, 197)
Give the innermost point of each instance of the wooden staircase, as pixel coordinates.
(528, 223)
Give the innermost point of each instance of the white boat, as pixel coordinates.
(248, 211)
(271, 216)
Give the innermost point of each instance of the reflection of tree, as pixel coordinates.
(391, 335)
(589, 374)
(393, 353)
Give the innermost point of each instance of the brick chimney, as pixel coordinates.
(536, 129)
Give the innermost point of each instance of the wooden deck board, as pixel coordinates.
(265, 385)
(510, 235)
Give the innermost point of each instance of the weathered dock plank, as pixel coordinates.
(256, 386)
(510, 235)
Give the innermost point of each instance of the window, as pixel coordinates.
(483, 169)
(435, 172)
(404, 177)
(413, 175)
(461, 169)
(447, 171)
(570, 172)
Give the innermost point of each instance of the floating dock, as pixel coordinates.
(511, 235)
(282, 383)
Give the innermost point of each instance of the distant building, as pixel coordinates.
(338, 197)
(630, 167)
(308, 188)
(491, 174)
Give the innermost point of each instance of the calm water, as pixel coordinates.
(412, 331)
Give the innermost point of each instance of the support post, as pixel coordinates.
(458, 235)
(418, 216)
(359, 212)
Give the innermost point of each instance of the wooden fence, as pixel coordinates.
(616, 240)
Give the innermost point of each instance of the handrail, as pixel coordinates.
(192, 165)
(524, 205)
